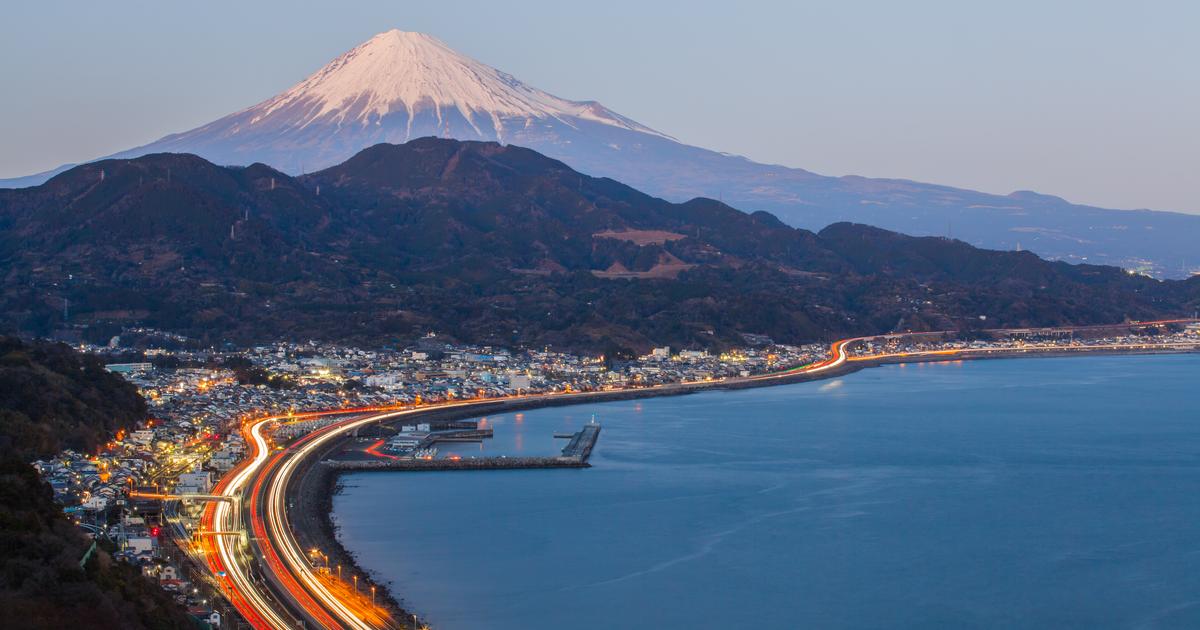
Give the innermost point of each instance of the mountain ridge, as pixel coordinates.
(496, 244)
(399, 86)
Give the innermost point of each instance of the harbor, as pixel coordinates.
(414, 449)
(470, 550)
(480, 463)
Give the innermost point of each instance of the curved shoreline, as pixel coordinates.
(313, 494)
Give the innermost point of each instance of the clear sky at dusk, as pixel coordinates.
(1094, 101)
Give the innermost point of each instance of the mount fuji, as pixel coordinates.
(399, 86)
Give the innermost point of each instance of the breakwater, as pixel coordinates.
(481, 463)
(574, 455)
(778, 486)
(317, 483)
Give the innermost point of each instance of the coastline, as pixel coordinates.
(313, 494)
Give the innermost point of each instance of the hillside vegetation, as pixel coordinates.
(52, 398)
(497, 244)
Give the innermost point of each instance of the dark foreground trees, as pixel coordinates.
(53, 398)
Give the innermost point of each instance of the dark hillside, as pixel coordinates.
(495, 244)
(53, 398)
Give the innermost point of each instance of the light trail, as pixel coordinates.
(838, 356)
(269, 476)
(373, 450)
(178, 497)
(1018, 350)
(223, 559)
(279, 530)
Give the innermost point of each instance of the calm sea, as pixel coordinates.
(1037, 493)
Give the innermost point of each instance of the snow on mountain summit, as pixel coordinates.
(399, 86)
(414, 73)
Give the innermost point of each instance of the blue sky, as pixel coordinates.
(1095, 101)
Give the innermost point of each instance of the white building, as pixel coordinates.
(194, 482)
(140, 544)
(386, 381)
(516, 380)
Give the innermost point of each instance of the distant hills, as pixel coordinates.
(496, 244)
(399, 86)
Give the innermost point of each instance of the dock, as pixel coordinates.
(469, 463)
(458, 435)
(574, 455)
(581, 444)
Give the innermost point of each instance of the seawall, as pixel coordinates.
(316, 484)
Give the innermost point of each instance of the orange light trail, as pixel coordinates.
(268, 476)
(374, 451)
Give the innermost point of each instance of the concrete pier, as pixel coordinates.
(581, 444)
(477, 463)
(574, 455)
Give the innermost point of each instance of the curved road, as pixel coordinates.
(270, 579)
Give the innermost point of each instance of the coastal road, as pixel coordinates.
(274, 583)
(269, 578)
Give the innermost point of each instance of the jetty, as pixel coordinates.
(469, 463)
(581, 444)
(574, 455)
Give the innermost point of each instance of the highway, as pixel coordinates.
(287, 589)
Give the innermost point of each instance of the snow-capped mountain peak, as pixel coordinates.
(406, 73)
(401, 86)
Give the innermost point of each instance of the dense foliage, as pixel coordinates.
(51, 398)
(496, 244)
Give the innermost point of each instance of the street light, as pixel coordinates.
(355, 583)
(372, 595)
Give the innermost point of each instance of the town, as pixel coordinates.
(199, 398)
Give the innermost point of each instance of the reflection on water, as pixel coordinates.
(1040, 493)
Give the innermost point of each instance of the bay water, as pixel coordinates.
(1026, 493)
